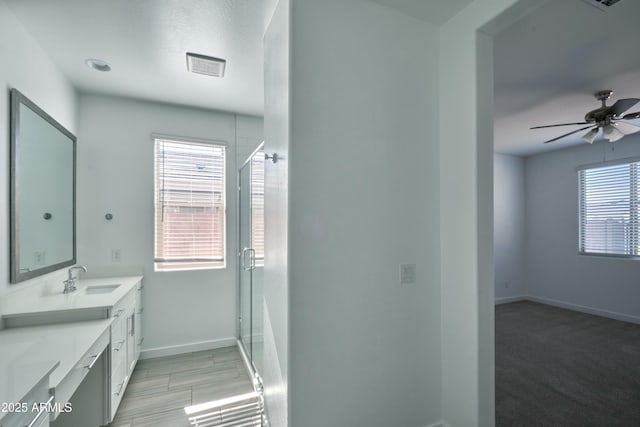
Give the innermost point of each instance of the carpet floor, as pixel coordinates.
(560, 368)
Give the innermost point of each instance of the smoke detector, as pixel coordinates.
(207, 65)
(602, 4)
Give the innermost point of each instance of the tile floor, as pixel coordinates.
(160, 388)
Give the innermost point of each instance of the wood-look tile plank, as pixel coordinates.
(182, 366)
(147, 386)
(208, 392)
(173, 418)
(153, 403)
(221, 356)
(201, 376)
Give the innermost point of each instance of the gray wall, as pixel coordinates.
(508, 227)
(26, 67)
(363, 193)
(555, 272)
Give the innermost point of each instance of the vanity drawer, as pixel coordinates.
(118, 340)
(126, 304)
(119, 380)
(70, 383)
(39, 395)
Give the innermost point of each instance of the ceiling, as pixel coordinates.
(435, 12)
(549, 64)
(145, 42)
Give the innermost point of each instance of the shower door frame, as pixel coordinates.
(248, 361)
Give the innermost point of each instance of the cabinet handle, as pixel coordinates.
(93, 362)
(140, 341)
(43, 409)
(118, 313)
(120, 386)
(120, 344)
(133, 324)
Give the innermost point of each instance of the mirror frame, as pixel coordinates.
(18, 99)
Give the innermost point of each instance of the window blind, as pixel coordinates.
(609, 217)
(257, 208)
(189, 205)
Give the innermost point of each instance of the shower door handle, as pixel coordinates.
(252, 259)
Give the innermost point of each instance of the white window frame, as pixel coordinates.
(609, 209)
(171, 262)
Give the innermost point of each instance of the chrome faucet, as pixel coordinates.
(70, 283)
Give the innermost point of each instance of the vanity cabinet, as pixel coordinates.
(94, 334)
(126, 338)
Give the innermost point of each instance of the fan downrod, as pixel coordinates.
(603, 96)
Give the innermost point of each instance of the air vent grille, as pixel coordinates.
(207, 65)
(602, 4)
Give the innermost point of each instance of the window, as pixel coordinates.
(609, 216)
(189, 205)
(257, 208)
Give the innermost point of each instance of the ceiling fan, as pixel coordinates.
(607, 118)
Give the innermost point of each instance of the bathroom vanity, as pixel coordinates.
(79, 348)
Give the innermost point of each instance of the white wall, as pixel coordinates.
(183, 311)
(26, 67)
(275, 374)
(555, 272)
(508, 226)
(466, 157)
(363, 168)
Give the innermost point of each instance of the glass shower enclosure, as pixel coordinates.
(251, 259)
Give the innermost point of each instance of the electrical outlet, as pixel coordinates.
(407, 273)
(115, 255)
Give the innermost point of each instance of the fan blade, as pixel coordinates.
(626, 128)
(561, 124)
(631, 116)
(567, 134)
(623, 105)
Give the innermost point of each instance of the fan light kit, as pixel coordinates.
(602, 4)
(606, 118)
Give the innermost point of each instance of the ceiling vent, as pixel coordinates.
(207, 65)
(602, 4)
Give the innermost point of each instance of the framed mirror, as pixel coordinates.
(43, 195)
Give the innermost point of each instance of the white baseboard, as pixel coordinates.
(172, 350)
(586, 309)
(505, 300)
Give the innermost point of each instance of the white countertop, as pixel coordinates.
(78, 299)
(29, 354)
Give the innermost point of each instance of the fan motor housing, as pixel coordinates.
(601, 114)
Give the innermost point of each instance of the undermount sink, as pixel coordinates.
(100, 289)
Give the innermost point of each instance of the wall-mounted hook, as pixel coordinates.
(108, 217)
(274, 157)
